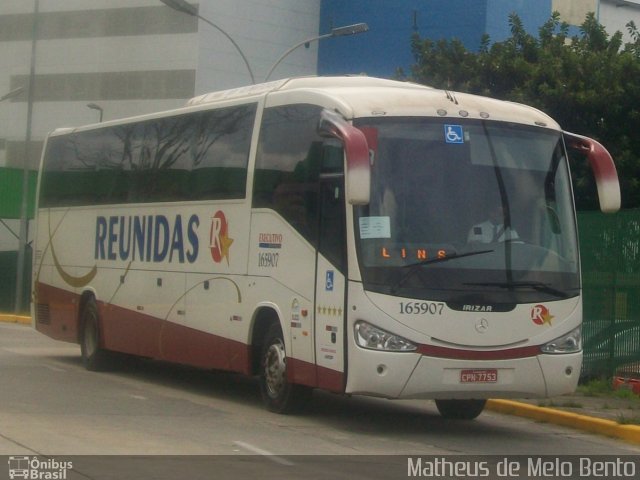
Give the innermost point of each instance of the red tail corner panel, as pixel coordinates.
(61, 317)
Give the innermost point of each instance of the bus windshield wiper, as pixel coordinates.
(414, 267)
(539, 286)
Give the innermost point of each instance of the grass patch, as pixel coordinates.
(624, 420)
(604, 388)
(596, 388)
(565, 404)
(625, 394)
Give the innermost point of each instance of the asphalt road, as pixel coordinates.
(51, 407)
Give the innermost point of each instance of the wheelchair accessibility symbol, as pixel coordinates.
(328, 284)
(453, 134)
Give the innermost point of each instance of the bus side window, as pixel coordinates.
(193, 156)
(332, 238)
(220, 153)
(288, 166)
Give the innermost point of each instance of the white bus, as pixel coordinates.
(331, 233)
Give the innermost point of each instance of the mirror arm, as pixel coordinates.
(358, 174)
(603, 168)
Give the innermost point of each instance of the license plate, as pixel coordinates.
(479, 376)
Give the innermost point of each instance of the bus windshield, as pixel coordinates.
(469, 211)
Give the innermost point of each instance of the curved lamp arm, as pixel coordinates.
(335, 32)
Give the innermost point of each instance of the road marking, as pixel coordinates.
(45, 351)
(138, 397)
(271, 456)
(55, 369)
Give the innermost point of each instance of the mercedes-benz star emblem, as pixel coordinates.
(482, 325)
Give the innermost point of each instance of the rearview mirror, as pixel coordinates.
(604, 170)
(358, 171)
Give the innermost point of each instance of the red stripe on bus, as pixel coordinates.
(306, 373)
(331, 380)
(136, 333)
(464, 354)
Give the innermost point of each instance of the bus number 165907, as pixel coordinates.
(421, 308)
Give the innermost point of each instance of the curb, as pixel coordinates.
(25, 320)
(629, 433)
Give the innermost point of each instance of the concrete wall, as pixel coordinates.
(615, 14)
(574, 11)
(136, 56)
(263, 30)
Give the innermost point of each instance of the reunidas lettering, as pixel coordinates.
(147, 238)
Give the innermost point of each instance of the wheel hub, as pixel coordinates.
(275, 369)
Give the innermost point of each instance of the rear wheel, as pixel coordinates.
(278, 394)
(94, 357)
(460, 409)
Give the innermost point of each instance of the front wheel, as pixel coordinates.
(278, 394)
(460, 409)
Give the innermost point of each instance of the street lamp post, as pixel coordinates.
(184, 7)
(24, 220)
(335, 32)
(95, 106)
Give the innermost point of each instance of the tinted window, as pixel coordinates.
(196, 156)
(288, 166)
(83, 169)
(220, 152)
(332, 239)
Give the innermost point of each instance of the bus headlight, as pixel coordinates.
(568, 343)
(374, 338)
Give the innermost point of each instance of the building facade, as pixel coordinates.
(386, 47)
(130, 57)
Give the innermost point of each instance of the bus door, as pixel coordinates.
(331, 283)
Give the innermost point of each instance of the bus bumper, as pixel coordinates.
(394, 375)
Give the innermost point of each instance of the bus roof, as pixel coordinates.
(362, 96)
(358, 97)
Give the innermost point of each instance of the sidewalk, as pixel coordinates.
(595, 414)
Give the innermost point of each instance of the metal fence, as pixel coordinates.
(610, 255)
(8, 268)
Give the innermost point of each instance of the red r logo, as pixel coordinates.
(540, 315)
(219, 241)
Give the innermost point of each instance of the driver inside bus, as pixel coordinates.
(492, 230)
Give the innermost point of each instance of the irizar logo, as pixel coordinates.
(477, 308)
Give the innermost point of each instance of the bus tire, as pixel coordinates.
(460, 409)
(278, 394)
(94, 358)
